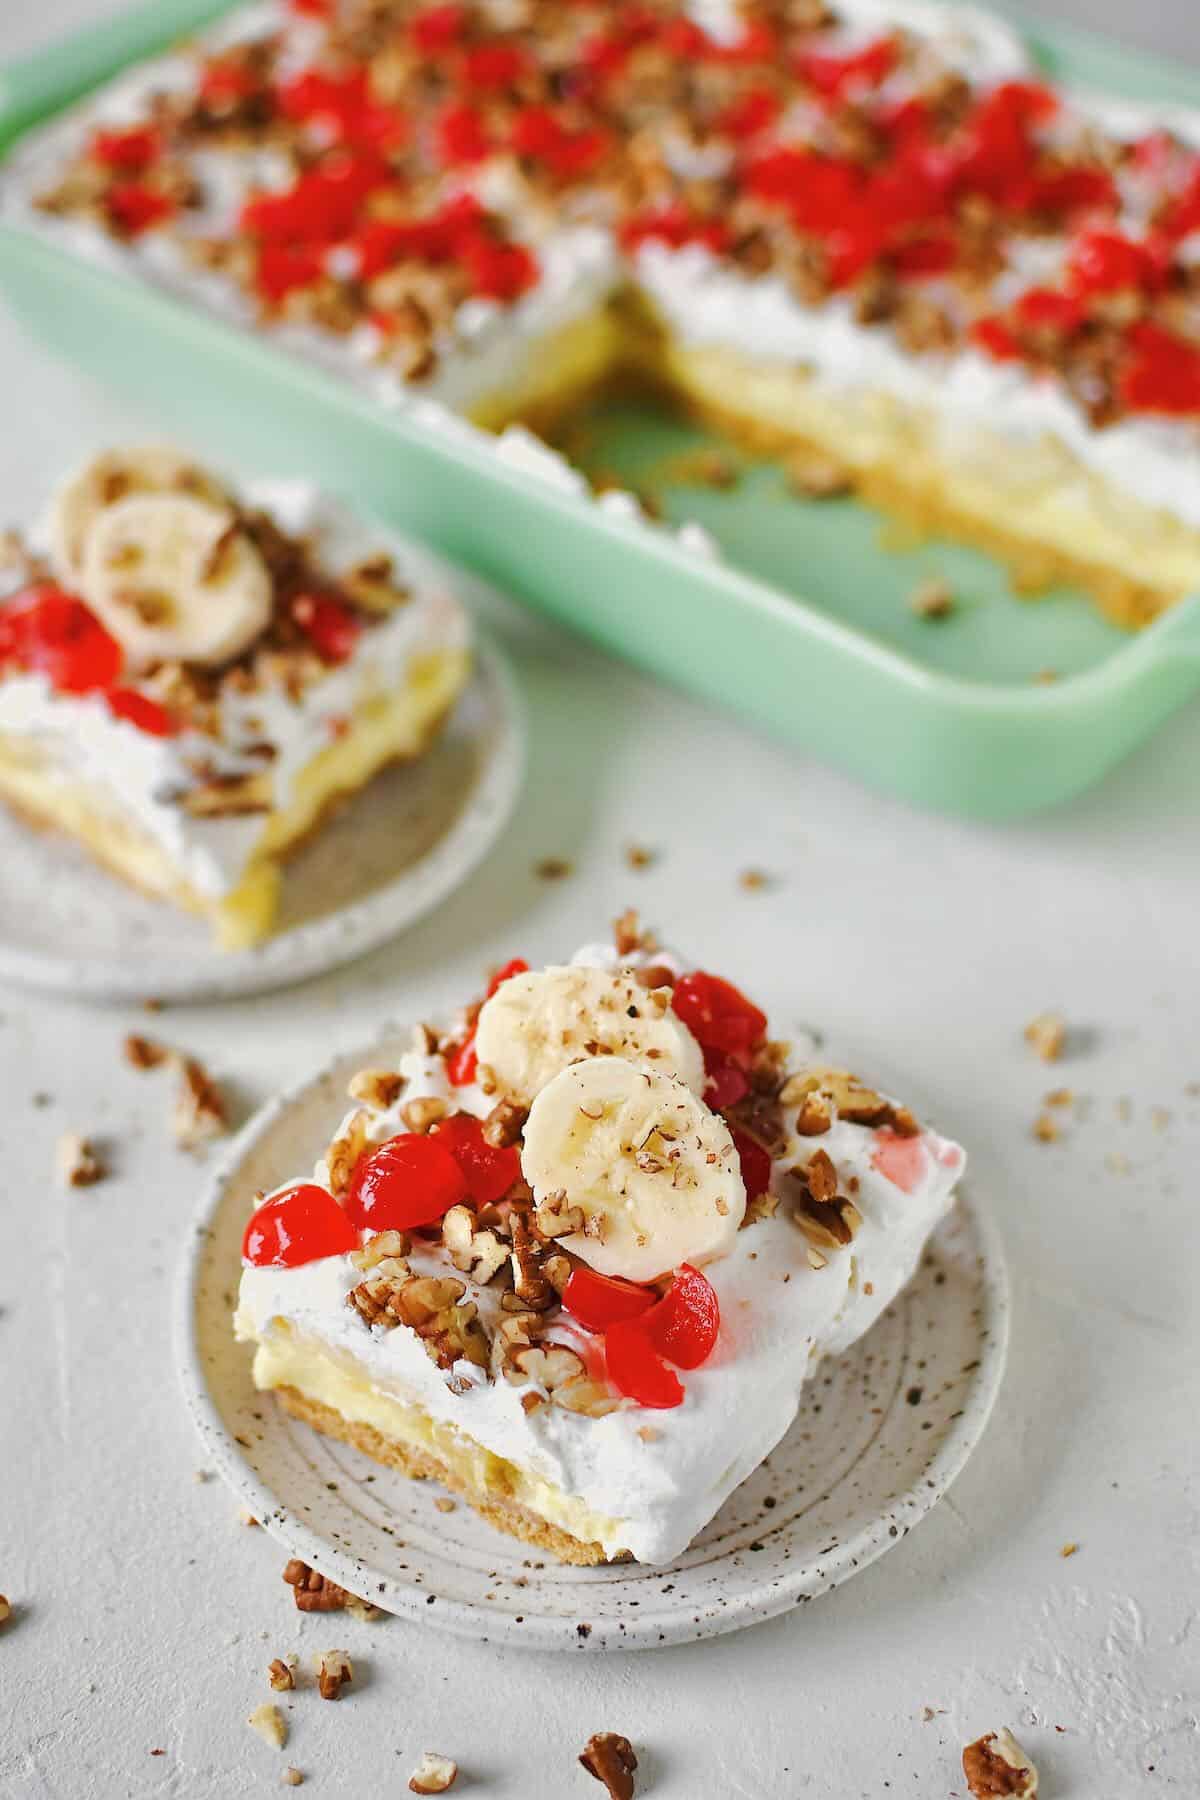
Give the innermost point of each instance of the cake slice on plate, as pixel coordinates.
(192, 677)
(577, 1255)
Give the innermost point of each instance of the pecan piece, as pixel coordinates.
(334, 1672)
(78, 1162)
(199, 1112)
(377, 1088)
(995, 1764)
(434, 1774)
(504, 1124)
(312, 1592)
(610, 1759)
(530, 1285)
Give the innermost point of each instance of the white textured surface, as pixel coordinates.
(145, 1614)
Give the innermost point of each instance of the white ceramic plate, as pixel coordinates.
(386, 858)
(881, 1434)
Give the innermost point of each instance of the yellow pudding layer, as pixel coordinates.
(337, 1389)
(386, 728)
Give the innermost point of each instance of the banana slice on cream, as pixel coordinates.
(536, 1023)
(113, 476)
(174, 578)
(652, 1169)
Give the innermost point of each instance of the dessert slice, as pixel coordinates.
(191, 678)
(576, 1256)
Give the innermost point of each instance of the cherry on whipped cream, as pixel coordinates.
(717, 1014)
(489, 1170)
(52, 632)
(683, 1327)
(636, 1369)
(329, 625)
(755, 1163)
(408, 1182)
(599, 1301)
(298, 1225)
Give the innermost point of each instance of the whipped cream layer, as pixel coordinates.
(779, 1317)
(81, 740)
(489, 348)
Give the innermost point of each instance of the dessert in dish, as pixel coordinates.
(576, 1254)
(868, 228)
(192, 677)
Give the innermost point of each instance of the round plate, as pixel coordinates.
(384, 859)
(881, 1434)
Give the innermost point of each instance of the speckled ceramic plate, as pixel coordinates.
(386, 858)
(881, 1434)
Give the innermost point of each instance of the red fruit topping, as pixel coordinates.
(131, 151)
(281, 268)
(749, 114)
(1047, 309)
(297, 1226)
(140, 710)
(1104, 262)
(864, 68)
(134, 208)
(437, 27)
(900, 1159)
(538, 133)
(683, 1326)
(489, 1172)
(717, 1014)
(498, 271)
(409, 1181)
(994, 336)
(599, 1301)
(755, 1162)
(46, 630)
(518, 966)
(1163, 374)
(460, 136)
(312, 9)
(637, 1370)
(494, 66)
(329, 625)
(1183, 217)
(462, 1062)
(727, 1081)
(225, 82)
(931, 254)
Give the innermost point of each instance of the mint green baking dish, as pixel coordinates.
(803, 627)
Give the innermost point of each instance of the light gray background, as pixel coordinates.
(145, 1614)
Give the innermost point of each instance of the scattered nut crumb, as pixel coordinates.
(1046, 677)
(281, 1673)
(1047, 1034)
(754, 880)
(638, 856)
(433, 1774)
(444, 1503)
(1045, 1129)
(199, 1108)
(1068, 1549)
(552, 868)
(363, 1609)
(1060, 1097)
(270, 1725)
(933, 599)
(5, 1609)
(334, 1672)
(292, 1778)
(1117, 1163)
(610, 1758)
(815, 477)
(245, 1516)
(145, 1052)
(995, 1764)
(1160, 1117)
(78, 1162)
(201, 1475)
(312, 1592)
(649, 1434)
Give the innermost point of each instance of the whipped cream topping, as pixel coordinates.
(82, 740)
(488, 348)
(779, 1317)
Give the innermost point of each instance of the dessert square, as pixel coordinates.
(192, 677)
(577, 1255)
(870, 232)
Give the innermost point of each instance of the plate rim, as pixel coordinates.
(331, 940)
(653, 1628)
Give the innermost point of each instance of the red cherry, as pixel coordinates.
(1046, 309)
(599, 1301)
(330, 626)
(223, 83)
(281, 268)
(727, 1081)
(409, 1181)
(498, 271)
(994, 336)
(460, 136)
(134, 208)
(462, 1062)
(1163, 374)
(1072, 190)
(755, 1163)
(488, 1171)
(130, 151)
(749, 114)
(717, 1014)
(931, 254)
(54, 633)
(140, 710)
(437, 27)
(1103, 262)
(518, 966)
(864, 68)
(297, 1226)
(676, 226)
(493, 67)
(683, 1326)
(637, 1370)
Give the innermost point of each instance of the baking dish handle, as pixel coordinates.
(34, 86)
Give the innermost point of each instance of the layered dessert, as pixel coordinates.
(865, 229)
(192, 677)
(576, 1253)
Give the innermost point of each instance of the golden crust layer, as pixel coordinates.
(423, 1465)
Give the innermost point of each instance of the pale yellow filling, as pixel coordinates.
(557, 372)
(286, 1359)
(384, 729)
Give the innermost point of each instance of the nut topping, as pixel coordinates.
(504, 1124)
(281, 1675)
(78, 1161)
(312, 1592)
(377, 1088)
(610, 1759)
(433, 1774)
(334, 1672)
(995, 1764)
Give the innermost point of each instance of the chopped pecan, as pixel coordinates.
(551, 1366)
(385, 1246)
(610, 1758)
(200, 1111)
(229, 796)
(342, 1156)
(145, 1052)
(312, 1592)
(1047, 1035)
(479, 1254)
(530, 1285)
(281, 1674)
(592, 1398)
(555, 1217)
(996, 1765)
(820, 1176)
(78, 1161)
(504, 1124)
(419, 1115)
(378, 1088)
(434, 1774)
(334, 1671)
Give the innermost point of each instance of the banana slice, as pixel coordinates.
(175, 579)
(537, 1023)
(115, 475)
(652, 1169)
